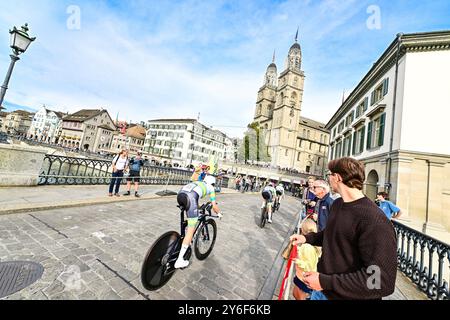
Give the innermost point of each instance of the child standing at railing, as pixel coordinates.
(306, 261)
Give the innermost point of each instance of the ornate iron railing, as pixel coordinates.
(422, 269)
(78, 171)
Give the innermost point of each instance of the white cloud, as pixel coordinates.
(176, 60)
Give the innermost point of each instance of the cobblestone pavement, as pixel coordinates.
(96, 252)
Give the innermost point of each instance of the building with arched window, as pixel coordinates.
(396, 122)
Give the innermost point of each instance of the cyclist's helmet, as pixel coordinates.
(210, 180)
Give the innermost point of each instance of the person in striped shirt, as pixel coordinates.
(188, 197)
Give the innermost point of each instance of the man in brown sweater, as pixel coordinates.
(359, 250)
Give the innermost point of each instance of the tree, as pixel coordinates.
(254, 147)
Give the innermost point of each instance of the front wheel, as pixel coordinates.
(206, 238)
(158, 266)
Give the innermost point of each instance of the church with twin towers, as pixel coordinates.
(292, 141)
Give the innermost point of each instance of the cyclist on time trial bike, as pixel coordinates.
(269, 193)
(188, 198)
(280, 192)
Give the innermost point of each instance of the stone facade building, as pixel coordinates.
(185, 142)
(133, 140)
(46, 125)
(396, 122)
(18, 122)
(87, 129)
(278, 109)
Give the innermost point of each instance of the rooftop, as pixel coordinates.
(173, 120)
(313, 123)
(83, 115)
(136, 131)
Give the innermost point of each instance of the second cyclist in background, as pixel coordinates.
(269, 193)
(280, 193)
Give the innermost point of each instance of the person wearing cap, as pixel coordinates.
(136, 163)
(188, 197)
(200, 172)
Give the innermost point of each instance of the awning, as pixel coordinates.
(275, 178)
(297, 182)
(286, 180)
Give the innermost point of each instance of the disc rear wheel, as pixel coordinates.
(158, 266)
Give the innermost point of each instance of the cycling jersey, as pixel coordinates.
(194, 191)
(280, 190)
(271, 190)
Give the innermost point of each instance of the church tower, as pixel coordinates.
(285, 125)
(265, 102)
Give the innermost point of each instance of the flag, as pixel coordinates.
(213, 164)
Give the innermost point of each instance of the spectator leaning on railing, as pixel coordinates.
(359, 248)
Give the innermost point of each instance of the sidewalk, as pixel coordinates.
(27, 199)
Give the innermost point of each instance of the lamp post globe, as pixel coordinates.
(20, 41)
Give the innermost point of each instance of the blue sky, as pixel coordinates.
(153, 59)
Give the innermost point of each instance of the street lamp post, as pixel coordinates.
(20, 40)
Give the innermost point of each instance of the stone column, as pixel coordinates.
(446, 212)
(434, 218)
(401, 180)
(20, 165)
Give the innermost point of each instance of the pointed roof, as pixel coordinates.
(295, 45)
(272, 65)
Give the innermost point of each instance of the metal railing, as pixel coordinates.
(419, 256)
(78, 171)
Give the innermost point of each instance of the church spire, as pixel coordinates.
(273, 58)
(295, 55)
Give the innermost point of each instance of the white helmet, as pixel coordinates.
(210, 180)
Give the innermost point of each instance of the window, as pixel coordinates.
(375, 132)
(318, 161)
(338, 150)
(334, 133)
(379, 92)
(310, 145)
(286, 153)
(298, 156)
(349, 119)
(341, 126)
(347, 145)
